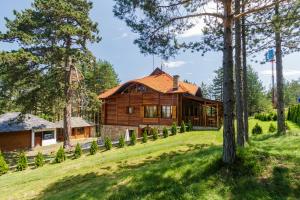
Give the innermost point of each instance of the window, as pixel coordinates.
(80, 130)
(48, 135)
(211, 111)
(129, 109)
(166, 111)
(150, 112)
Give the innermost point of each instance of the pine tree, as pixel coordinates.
(52, 42)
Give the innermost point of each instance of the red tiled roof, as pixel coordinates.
(158, 81)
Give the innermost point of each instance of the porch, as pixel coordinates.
(203, 113)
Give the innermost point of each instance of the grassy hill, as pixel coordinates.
(185, 166)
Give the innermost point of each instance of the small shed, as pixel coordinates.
(81, 128)
(25, 131)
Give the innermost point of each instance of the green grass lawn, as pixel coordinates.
(185, 166)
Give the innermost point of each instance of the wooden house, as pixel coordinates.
(25, 131)
(80, 129)
(157, 100)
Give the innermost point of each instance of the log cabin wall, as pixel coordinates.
(116, 109)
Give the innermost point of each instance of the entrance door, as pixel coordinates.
(38, 139)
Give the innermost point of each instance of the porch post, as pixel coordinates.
(32, 138)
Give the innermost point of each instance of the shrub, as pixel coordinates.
(257, 129)
(189, 126)
(155, 133)
(133, 138)
(174, 129)
(182, 127)
(3, 165)
(145, 136)
(272, 128)
(266, 116)
(94, 148)
(294, 114)
(60, 155)
(78, 151)
(39, 160)
(22, 162)
(107, 143)
(165, 132)
(121, 141)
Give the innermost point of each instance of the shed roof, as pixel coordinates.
(159, 81)
(12, 122)
(76, 122)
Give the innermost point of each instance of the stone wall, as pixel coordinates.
(114, 132)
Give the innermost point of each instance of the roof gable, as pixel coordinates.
(159, 81)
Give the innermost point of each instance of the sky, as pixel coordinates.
(117, 47)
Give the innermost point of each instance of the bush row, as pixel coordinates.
(60, 157)
(266, 116)
(294, 114)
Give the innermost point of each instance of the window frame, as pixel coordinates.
(148, 116)
(170, 112)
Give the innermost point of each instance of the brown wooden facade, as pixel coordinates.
(16, 140)
(77, 133)
(201, 112)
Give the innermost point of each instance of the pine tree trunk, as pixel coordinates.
(229, 153)
(279, 76)
(68, 104)
(245, 78)
(238, 78)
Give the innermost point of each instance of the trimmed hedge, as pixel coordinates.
(121, 141)
(39, 160)
(78, 151)
(22, 162)
(257, 129)
(60, 155)
(266, 116)
(294, 114)
(107, 143)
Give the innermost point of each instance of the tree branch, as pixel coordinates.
(257, 9)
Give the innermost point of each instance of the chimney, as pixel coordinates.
(175, 82)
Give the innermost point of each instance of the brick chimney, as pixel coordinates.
(175, 82)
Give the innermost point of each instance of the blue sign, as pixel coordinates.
(298, 99)
(269, 55)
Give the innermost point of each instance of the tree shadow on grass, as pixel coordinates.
(197, 173)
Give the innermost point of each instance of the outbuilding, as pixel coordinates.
(81, 128)
(25, 131)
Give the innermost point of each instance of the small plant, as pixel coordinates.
(121, 141)
(257, 129)
(165, 132)
(189, 126)
(3, 165)
(60, 155)
(182, 127)
(272, 128)
(78, 151)
(174, 129)
(145, 136)
(155, 133)
(107, 143)
(39, 160)
(22, 162)
(133, 138)
(94, 148)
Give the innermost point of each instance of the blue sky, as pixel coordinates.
(117, 47)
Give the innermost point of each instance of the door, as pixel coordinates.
(38, 139)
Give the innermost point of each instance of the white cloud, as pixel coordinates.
(287, 72)
(174, 64)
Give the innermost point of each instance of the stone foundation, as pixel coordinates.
(114, 131)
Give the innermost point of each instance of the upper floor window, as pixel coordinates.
(166, 111)
(150, 112)
(129, 109)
